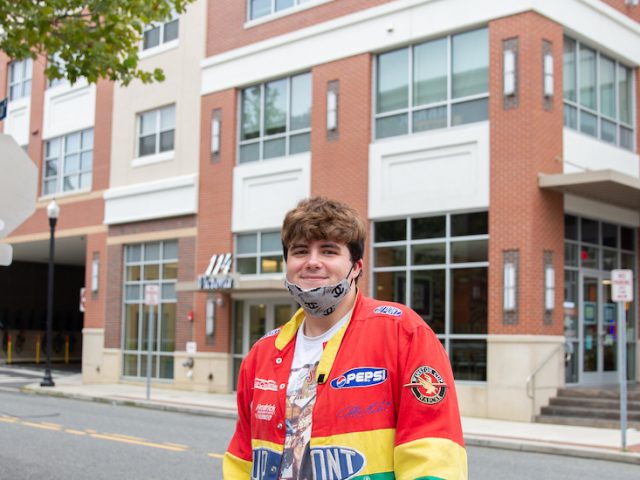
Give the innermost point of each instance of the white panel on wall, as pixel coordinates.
(264, 191)
(582, 152)
(433, 172)
(160, 199)
(17, 122)
(68, 109)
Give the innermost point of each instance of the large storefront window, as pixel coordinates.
(146, 264)
(438, 266)
(592, 249)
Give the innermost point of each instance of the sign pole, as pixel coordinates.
(622, 292)
(151, 298)
(149, 347)
(622, 368)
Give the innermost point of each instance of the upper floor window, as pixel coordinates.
(155, 35)
(598, 95)
(275, 118)
(68, 162)
(53, 82)
(258, 253)
(435, 84)
(156, 131)
(20, 79)
(262, 8)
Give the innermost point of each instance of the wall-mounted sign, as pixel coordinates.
(216, 276)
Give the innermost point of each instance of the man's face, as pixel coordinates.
(317, 263)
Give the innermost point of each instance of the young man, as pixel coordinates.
(350, 387)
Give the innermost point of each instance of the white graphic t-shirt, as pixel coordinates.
(301, 396)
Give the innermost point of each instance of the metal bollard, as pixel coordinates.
(66, 349)
(9, 349)
(38, 349)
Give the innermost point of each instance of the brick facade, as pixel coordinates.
(524, 141)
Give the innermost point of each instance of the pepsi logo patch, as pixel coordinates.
(360, 377)
(427, 385)
(388, 310)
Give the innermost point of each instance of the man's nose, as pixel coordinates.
(313, 260)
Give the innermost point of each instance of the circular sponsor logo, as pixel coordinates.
(341, 380)
(427, 385)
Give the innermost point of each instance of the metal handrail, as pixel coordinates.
(531, 379)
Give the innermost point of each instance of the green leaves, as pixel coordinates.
(93, 39)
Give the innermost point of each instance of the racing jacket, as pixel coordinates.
(386, 406)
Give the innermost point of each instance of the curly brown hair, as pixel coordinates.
(321, 218)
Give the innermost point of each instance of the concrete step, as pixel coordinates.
(594, 403)
(586, 412)
(633, 393)
(584, 422)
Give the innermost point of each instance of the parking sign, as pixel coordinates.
(622, 285)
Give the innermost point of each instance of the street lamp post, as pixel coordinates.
(53, 210)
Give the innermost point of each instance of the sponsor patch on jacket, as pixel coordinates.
(360, 411)
(388, 310)
(265, 464)
(336, 463)
(265, 411)
(267, 385)
(427, 385)
(360, 377)
(273, 332)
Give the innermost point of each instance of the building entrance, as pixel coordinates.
(253, 319)
(599, 332)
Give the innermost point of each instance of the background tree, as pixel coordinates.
(89, 39)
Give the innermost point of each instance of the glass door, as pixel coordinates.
(253, 319)
(599, 339)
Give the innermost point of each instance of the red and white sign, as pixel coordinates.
(151, 294)
(622, 285)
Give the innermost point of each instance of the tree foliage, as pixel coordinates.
(89, 39)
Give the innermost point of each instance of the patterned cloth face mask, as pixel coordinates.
(320, 301)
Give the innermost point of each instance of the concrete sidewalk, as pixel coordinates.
(595, 443)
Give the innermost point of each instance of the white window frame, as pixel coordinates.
(273, 13)
(578, 108)
(25, 70)
(449, 103)
(162, 44)
(62, 158)
(157, 156)
(258, 255)
(263, 137)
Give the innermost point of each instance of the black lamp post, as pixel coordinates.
(53, 210)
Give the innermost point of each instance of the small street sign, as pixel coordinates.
(83, 299)
(622, 285)
(151, 294)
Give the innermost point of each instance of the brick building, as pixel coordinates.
(492, 145)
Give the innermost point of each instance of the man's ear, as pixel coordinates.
(357, 269)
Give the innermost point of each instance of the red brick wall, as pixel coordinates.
(102, 135)
(628, 10)
(75, 212)
(115, 270)
(214, 210)
(340, 162)
(226, 19)
(525, 141)
(95, 301)
(38, 86)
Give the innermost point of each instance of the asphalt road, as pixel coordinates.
(63, 439)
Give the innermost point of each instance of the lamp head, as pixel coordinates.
(53, 210)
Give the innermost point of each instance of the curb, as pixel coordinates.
(563, 450)
(150, 405)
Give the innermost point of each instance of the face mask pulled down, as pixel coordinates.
(320, 301)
